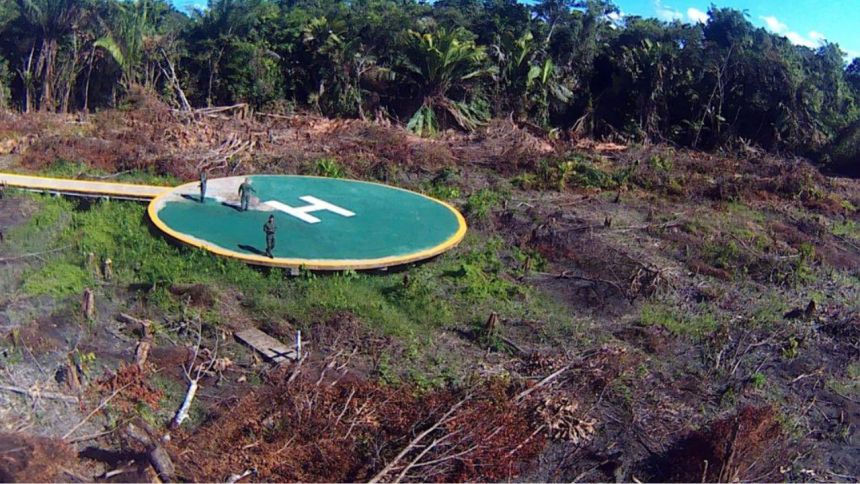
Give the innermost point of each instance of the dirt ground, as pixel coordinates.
(711, 309)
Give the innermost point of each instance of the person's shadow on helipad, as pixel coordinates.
(253, 250)
(193, 198)
(235, 206)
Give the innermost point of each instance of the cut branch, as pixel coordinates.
(417, 441)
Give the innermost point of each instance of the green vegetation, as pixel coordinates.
(439, 65)
(559, 173)
(695, 325)
(79, 169)
(466, 282)
(329, 168)
(480, 202)
(57, 279)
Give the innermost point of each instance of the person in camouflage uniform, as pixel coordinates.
(202, 187)
(245, 191)
(270, 230)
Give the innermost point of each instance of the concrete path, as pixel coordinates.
(82, 187)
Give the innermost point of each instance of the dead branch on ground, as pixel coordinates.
(194, 381)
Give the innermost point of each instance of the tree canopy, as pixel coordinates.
(564, 64)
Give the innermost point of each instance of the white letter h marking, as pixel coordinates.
(303, 213)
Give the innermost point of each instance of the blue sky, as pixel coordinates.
(804, 22)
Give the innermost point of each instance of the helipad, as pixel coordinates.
(323, 223)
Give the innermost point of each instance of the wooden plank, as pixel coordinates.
(272, 349)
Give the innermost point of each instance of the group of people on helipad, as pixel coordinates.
(245, 191)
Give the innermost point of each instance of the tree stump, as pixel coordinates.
(92, 264)
(108, 269)
(492, 325)
(141, 353)
(89, 305)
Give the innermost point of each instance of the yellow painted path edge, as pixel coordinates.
(92, 187)
(317, 264)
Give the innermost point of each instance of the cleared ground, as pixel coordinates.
(616, 312)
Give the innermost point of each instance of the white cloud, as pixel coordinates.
(798, 39)
(195, 6)
(666, 14)
(696, 15)
(774, 25)
(852, 54)
(616, 19)
(813, 40)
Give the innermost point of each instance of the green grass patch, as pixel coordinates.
(480, 202)
(57, 279)
(75, 169)
(692, 324)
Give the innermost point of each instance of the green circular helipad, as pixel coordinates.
(322, 223)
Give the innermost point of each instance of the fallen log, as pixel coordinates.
(40, 394)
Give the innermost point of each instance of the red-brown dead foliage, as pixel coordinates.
(746, 446)
(97, 153)
(503, 146)
(25, 458)
(131, 384)
(349, 431)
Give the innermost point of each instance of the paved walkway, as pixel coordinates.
(82, 187)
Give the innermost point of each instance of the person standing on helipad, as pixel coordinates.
(245, 190)
(270, 230)
(202, 187)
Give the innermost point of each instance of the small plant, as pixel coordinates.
(481, 202)
(758, 380)
(661, 163)
(589, 176)
(790, 351)
(528, 260)
(722, 255)
(329, 168)
(526, 181)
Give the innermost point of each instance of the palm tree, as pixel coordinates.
(7, 14)
(341, 63)
(53, 20)
(441, 67)
(530, 86)
(143, 47)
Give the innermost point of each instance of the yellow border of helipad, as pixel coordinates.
(315, 264)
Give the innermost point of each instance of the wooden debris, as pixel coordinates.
(144, 326)
(563, 420)
(158, 457)
(272, 349)
(36, 393)
(193, 376)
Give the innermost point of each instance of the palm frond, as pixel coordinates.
(112, 48)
